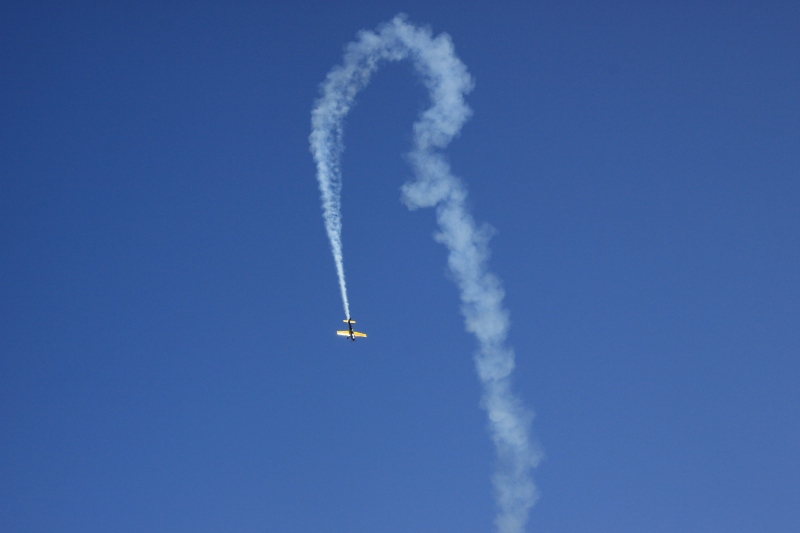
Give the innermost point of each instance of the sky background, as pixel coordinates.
(168, 299)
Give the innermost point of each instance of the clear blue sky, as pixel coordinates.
(168, 299)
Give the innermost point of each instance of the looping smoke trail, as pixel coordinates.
(448, 81)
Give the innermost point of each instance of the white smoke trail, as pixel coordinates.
(448, 81)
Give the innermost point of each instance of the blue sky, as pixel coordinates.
(168, 296)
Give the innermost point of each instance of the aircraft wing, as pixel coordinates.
(343, 332)
(359, 334)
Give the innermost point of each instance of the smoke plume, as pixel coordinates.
(448, 81)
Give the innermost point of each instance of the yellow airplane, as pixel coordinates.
(349, 333)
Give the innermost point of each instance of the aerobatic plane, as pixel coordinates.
(349, 333)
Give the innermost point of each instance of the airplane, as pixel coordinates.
(349, 333)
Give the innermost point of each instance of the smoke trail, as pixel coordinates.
(326, 143)
(448, 81)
